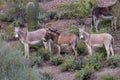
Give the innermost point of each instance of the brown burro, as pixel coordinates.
(61, 39)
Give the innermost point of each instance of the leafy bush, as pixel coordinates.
(81, 48)
(3, 17)
(56, 60)
(9, 30)
(46, 75)
(71, 64)
(12, 12)
(73, 29)
(113, 61)
(2, 36)
(68, 64)
(12, 65)
(77, 64)
(35, 61)
(96, 61)
(104, 26)
(20, 3)
(109, 76)
(90, 64)
(84, 73)
(51, 14)
(79, 8)
(45, 54)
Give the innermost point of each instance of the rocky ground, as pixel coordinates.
(47, 5)
(57, 74)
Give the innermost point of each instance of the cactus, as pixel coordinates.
(39, 11)
(32, 16)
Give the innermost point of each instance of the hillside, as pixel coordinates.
(67, 66)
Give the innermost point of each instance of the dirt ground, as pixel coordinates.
(60, 25)
(50, 4)
(96, 75)
(57, 74)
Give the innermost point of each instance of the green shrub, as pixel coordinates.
(63, 15)
(56, 60)
(8, 15)
(29, 74)
(73, 29)
(96, 61)
(51, 14)
(84, 73)
(68, 64)
(46, 75)
(104, 26)
(109, 76)
(11, 13)
(81, 48)
(71, 64)
(77, 64)
(9, 30)
(35, 61)
(113, 61)
(45, 54)
(12, 65)
(42, 18)
(3, 17)
(78, 8)
(89, 65)
(2, 36)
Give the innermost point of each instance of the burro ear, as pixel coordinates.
(83, 27)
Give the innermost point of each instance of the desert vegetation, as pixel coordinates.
(62, 17)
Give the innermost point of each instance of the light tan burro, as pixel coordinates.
(97, 40)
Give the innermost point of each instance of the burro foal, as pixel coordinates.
(97, 40)
(33, 37)
(61, 39)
